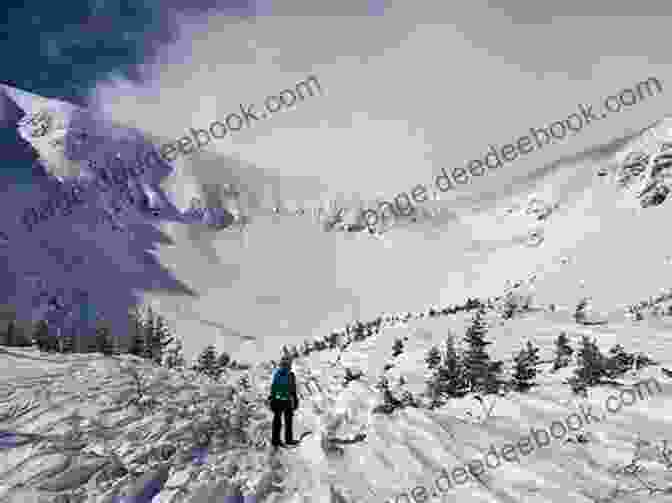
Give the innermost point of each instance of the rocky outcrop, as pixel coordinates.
(650, 171)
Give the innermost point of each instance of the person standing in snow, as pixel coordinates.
(283, 400)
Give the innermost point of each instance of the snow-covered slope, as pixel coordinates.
(84, 426)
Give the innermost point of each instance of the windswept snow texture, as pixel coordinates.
(76, 425)
(70, 426)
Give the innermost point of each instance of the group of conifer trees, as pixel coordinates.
(457, 373)
(150, 339)
(47, 339)
(212, 365)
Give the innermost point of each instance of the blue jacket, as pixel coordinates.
(290, 393)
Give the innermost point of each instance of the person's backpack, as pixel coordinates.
(280, 384)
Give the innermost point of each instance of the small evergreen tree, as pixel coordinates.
(534, 353)
(591, 363)
(17, 337)
(244, 383)
(104, 343)
(45, 333)
(448, 378)
(360, 331)
(397, 347)
(352, 375)
(580, 312)
(147, 333)
(139, 346)
(563, 351)
(115, 342)
(304, 348)
(525, 368)
(451, 353)
(223, 360)
(10, 334)
(481, 373)
(433, 358)
(41, 336)
(493, 381)
(285, 352)
(390, 402)
(578, 386)
(619, 361)
(174, 356)
(159, 338)
(451, 373)
(434, 392)
(66, 342)
(207, 362)
(509, 309)
(54, 343)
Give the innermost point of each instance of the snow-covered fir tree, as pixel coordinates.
(582, 310)
(451, 375)
(433, 358)
(294, 352)
(223, 361)
(525, 368)
(207, 362)
(397, 347)
(619, 361)
(104, 343)
(481, 372)
(591, 364)
(563, 352)
(174, 356)
(159, 338)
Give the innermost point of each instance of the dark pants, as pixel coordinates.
(280, 408)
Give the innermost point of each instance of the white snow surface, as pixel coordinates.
(73, 410)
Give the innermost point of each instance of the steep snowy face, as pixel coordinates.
(81, 203)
